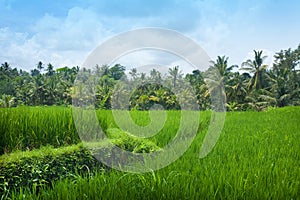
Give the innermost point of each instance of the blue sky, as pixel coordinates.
(65, 32)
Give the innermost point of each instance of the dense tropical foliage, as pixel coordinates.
(253, 85)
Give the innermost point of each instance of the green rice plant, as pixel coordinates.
(256, 157)
(32, 127)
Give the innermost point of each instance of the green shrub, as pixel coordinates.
(41, 167)
(130, 143)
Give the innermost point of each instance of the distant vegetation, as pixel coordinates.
(251, 86)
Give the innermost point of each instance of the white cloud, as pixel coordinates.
(213, 38)
(144, 47)
(146, 60)
(58, 41)
(220, 28)
(63, 41)
(80, 30)
(15, 47)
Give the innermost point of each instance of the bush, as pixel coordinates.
(41, 167)
(130, 143)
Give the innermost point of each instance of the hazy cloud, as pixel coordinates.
(64, 33)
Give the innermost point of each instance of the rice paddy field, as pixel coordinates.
(256, 157)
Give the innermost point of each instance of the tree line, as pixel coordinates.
(251, 86)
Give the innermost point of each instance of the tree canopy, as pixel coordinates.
(253, 85)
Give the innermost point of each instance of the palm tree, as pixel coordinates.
(40, 66)
(37, 90)
(104, 91)
(50, 70)
(7, 101)
(284, 80)
(155, 76)
(257, 68)
(143, 76)
(5, 67)
(221, 65)
(51, 90)
(222, 69)
(217, 78)
(236, 89)
(133, 73)
(175, 74)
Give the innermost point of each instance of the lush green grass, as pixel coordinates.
(24, 128)
(256, 157)
(28, 128)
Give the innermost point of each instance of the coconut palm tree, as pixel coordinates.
(50, 70)
(7, 101)
(175, 74)
(217, 78)
(133, 73)
(257, 68)
(40, 66)
(5, 67)
(284, 78)
(155, 76)
(236, 89)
